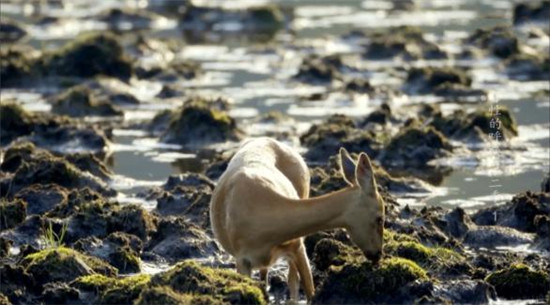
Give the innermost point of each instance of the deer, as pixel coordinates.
(260, 210)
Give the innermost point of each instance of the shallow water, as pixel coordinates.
(257, 82)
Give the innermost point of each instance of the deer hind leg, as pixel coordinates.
(302, 264)
(263, 278)
(293, 281)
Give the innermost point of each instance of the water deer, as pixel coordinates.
(260, 210)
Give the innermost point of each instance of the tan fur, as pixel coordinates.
(260, 210)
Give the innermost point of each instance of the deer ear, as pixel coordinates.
(365, 173)
(347, 167)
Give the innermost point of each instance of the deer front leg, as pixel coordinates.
(302, 264)
(244, 267)
(293, 281)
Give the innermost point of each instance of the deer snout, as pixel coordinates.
(374, 257)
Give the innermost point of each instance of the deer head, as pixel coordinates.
(365, 217)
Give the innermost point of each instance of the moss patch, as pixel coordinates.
(63, 264)
(365, 283)
(330, 252)
(221, 284)
(125, 260)
(432, 258)
(519, 282)
(201, 120)
(113, 290)
(166, 296)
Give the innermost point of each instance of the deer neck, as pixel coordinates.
(306, 216)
